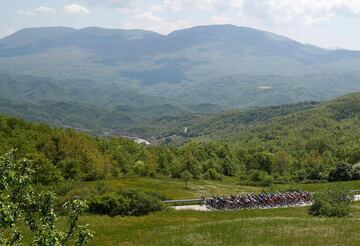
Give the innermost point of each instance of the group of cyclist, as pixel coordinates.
(262, 200)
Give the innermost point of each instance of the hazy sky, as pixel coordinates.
(327, 23)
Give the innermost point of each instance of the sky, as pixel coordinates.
(325, 23)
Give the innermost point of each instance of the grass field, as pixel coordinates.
(283, 226)
(174, 189)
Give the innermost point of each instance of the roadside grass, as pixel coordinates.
(283, 226)
(352, 185)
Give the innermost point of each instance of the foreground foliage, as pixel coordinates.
(20, 203)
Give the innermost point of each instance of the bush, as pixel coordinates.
(142, 203)
(125, 203)
(257, 178)
(46, 172)
(212, 174)
(299, 176)
(140, 168)
(262, 178)
(342, 172)
(111, 204)
(332, 203)
(356, 171)
(281, 179)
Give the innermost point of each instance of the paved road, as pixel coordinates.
(192, 207)
(203, 208)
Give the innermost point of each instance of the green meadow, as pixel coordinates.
(283, 226)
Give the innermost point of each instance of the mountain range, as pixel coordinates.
(119, 79)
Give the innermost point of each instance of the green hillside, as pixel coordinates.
(85, 104)
(278, 124)
(304, 142)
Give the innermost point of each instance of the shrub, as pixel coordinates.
(356, 171)
(46, 172)
(122, 203)
(332, 203)
(110, 204)
(262, 178)
(342, 172)
(257, 178)
(281, 179)
(299, 176)
(140, 168)
(142, 203)
(212, 174)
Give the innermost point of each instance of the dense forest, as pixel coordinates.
(313, 143)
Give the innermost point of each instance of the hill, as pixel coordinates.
(306, 142)
(290, 127)
(86, 105)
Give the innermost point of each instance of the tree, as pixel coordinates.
(315, 167)
(342, 172)
(281, 162)
(356, 171)
(46, 172)
(19, 202)
(186, 176)
(266, 161)
(140, 168)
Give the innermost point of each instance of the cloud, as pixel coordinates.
(266, 14)
(168, 5)
(109, 3)
(221, 19)
(306, 12)
(25, 12)
(149, 16)
(75, 9)
(45, 10)
(145, 18)
(4, 32)
(38, 10)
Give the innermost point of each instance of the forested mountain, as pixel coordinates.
(225, 65)
(85, 104)
(287, 126)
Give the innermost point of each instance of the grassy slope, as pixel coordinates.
(286, 226)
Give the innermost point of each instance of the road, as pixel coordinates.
(203, 208)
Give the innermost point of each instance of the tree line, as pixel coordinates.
(64, 154)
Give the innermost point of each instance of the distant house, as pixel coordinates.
(142, 141)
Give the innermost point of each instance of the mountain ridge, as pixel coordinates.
(223, 65)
